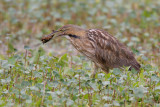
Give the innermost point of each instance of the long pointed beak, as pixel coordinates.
(55, 31)
(47, 38)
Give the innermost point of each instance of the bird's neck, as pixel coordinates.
(80, 33)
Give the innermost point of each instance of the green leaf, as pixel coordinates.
(69, 102)
(157, 88)
(116, 71)
(106, 82)
(12, 60)
(116, 103)
(107, 98)
(94, 86)
(25, 83)
(11, 48)
(26, 47)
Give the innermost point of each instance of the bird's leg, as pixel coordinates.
(106, 70)
(95, 70)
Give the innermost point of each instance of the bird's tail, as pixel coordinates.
(135, 65)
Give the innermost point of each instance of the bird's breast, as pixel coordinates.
(83, 46)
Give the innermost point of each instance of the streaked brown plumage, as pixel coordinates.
(99, 46)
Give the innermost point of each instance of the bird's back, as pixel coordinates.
(110, 53)
(103, 49)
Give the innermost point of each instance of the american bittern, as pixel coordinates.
(99, 46)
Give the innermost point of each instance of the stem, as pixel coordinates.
(79, 88)
(53, 87)
(44, 87)
(31, 74)
(89, 98)
(4, 74)
(8, 47)
(79, 84)
(37, 60)
(70, 62)
(142, 103)
(9, 69)
(26, 57)
(19, 97)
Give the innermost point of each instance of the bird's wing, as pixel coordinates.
(108, 49)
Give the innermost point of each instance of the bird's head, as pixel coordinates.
(69, 30)
(64, 31)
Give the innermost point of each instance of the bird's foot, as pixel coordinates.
(93, 74)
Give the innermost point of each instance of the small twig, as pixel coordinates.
(47, 38)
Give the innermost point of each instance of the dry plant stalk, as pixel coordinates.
(47, 38)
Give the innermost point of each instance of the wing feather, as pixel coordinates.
(109, 51)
